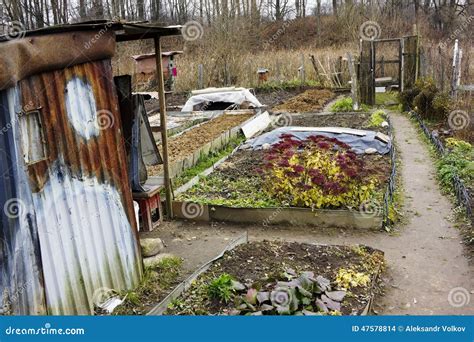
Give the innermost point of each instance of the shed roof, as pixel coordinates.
(58, 47)
(124, 31)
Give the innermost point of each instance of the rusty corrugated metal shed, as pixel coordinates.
(75, 231)
(67, 228)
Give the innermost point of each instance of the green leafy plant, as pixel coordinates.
(342, 105)
(459, 161)
(318, 172)
(377, 118)
(349, 278)
(221, 288)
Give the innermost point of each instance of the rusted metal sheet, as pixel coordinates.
(78, 196)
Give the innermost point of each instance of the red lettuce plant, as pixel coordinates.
(318, 172)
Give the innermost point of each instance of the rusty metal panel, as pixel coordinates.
(21, 277)
(80, 193)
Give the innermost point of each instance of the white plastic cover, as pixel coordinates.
(231, 95)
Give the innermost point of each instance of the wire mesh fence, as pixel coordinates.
(391, 186)
(462, 195)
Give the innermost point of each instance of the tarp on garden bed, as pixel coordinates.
(359, 140)
(237, 96)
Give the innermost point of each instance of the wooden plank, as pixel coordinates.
(164, 132)
(354, 84)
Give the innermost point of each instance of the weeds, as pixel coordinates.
(155, 282)
(221, 288)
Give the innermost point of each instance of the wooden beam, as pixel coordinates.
(354, 85)
(164, 132)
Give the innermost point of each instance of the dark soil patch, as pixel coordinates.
(257, 264)
(272, 98)
(356, 121)
(174, 102)
(312, 100)
(444, 131)
(186, 144)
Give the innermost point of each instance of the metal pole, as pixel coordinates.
(164, 132)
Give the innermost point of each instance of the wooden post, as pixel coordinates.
(440, 58)
(372, 73)
(303, 76)
(200, 77)
(354, 85)
(339, 71)
(456, 77)
(382, 66)
(316, 70)
(401, 73)
(164, 132)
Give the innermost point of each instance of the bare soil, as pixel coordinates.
(312, 100)
(186, 144)
(267, 260)
(272, 98)
(349, 120)
(174, 102)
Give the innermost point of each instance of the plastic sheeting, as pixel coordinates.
(237, 96)
(358, 140)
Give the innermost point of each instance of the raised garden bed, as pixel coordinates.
(317, 181)
(356, 120)
(271, 278)
(188, 147)
(312, 100)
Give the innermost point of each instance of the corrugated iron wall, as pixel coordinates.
(80, 195)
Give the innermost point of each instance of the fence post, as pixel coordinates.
(200, 77)
(354, 85)
(456, 77)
